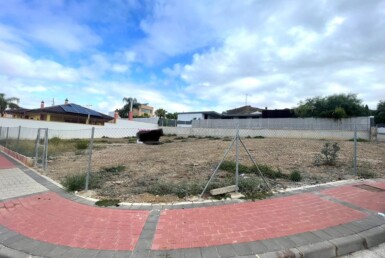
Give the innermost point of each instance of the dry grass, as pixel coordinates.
(193, 160)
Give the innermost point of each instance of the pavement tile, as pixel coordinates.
(360, 197)
(247, 222)
(43, 216)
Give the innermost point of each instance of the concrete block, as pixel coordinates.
(374, 236)
(223, 190)
(323, 249)
(349, 244)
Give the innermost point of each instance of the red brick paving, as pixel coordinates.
(50, 218)
(5, 164)
(374, 201)
(202, 227)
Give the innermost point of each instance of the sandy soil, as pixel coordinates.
(194, 159)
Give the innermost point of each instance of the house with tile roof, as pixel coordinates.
(69, 113)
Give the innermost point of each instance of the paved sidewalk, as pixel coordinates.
(40, 219)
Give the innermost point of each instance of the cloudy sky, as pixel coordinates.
(193, 54)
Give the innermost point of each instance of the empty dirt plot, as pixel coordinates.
(150, 172)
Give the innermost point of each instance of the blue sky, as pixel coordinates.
(193, 54)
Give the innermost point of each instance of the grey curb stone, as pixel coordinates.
(289, 253)
(349, 244)
(374, 236)
(323, 249)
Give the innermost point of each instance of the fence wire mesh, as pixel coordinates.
(182, 163)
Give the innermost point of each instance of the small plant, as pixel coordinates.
(179, 138)
(74, 182)
(226, 139)
(253, 188)
(132, 140)
(108, 202)
(77, 182)
(81, 144)
(55, 141)
(259, 137)
(248, 137)
(113, 169)
(328, 156)
(358, 140)
(295, 176)
(168, 141)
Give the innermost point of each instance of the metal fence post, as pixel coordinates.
(18, 139)
(237, 160)
(45, 154)
(89, 158)
(6, 138)
(1, 129)
(355, 150)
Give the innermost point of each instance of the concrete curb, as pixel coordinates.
(334, 247)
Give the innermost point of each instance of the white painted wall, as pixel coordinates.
(362, 123)
(307, 134)
(189, 117)
(29, 128)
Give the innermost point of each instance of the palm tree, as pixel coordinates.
(7, 102)
(131, 103)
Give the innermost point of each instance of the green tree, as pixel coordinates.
(379, 116)
(334, 106)
(7, 102)
(173, 116)
(161, 113)
(131, 103)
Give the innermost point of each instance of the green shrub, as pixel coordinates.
(253, 188)
(81, 144)
(295, 176)
(329, 154)
(113, 169)
(358, 140)
(77, 182)
(259, 137)
(55, 141)
(108, 202)
(230, 166)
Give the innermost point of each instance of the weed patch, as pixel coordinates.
(108, 202)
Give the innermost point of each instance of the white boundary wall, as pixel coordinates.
(310, 123)
(122, 128)
(307, 134)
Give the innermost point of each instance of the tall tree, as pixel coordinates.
(334, 106)
(161, 113)
(130, 104)
(7, 102)
(379, 117)
(173, 116)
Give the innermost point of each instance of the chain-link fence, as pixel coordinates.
(183, 161)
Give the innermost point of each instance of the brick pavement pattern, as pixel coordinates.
(51, 218)
(15, 183)
(4, 163)
(374, 201)
(246, 222)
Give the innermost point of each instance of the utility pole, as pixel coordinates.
(246, 99)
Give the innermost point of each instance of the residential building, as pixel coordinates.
(242, 112)
(185, 118)
(142, 110)
(69, 112)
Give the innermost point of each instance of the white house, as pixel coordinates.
(185, 118)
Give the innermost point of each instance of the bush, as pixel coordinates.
(295, 176)
(81, 144)
(259, 137)
(113, 169)
(253, 188)
(108, 202)
(230, 166)
(329, 154)
(358, 140)
(55, 141)
(77, 182)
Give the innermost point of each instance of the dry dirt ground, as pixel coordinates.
(180, 159)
